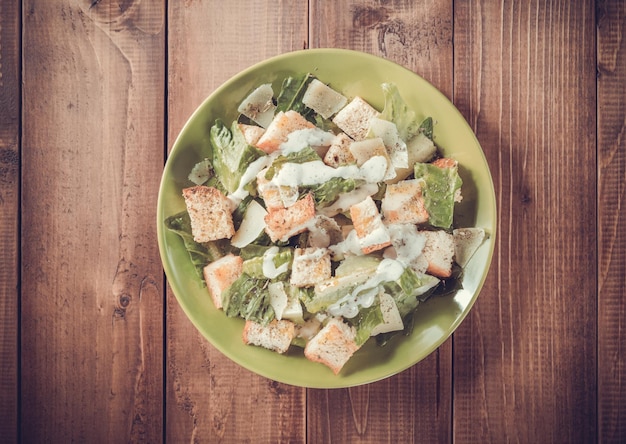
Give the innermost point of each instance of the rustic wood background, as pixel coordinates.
(93, 346)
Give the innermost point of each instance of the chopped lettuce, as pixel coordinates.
(254, 266)
(365, 321)
(408, 288)
(426, 128)
(326, 193)
(290, 96)
(397, 111)
(231, 154)
(200, 254)
(248, 298)
(439, 188)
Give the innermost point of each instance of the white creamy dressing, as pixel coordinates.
(364, 295)
(407, 242)
(251, 172)
(270, 270)
(350, 245)
(346, 200)
(302, 138)
(317, 172)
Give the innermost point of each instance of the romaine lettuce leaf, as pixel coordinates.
(254, 266)
(290, 96)
(231, 154)
(365, 321)
(408, 288)
(200, 254)
(439, 188)
(248, 298)
(397, 111)
(326, 193)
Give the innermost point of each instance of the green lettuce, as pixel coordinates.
(254, 265)
(406, 291)
(200, 254)
(248, 298)
(397, 111)
(439, 188)
(365, 321)
(290, 96)
(231, 154)
(326, 193)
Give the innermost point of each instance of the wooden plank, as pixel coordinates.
(209, 398)
(611, 20)
(10, 91)
(93, 150)
(416, 404)
(525, 80)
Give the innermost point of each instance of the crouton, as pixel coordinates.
(466, 242)
(220, 274)
(323, 99)
(269, 192)
(404, 203)
(333, 345)
(251, 133)
(209, 211)
(277, 131)
(310, 266)
(439, 252)
(339, 153)
(369, 227)
(282, 223)
(276, 336)
(354, 118)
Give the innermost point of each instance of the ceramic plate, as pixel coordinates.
(352, 73)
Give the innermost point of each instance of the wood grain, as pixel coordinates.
(611, 25)
(526, 355)
(416, 404)
(9, 217)
(210, 398)
(93, 149)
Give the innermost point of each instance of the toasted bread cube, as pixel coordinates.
(466, 242)
(251, 133)
(209, 211)
(339, 153)
(333, 345)
(282, 223)
(220, 274)
(277, 131)
(354, 118)
(310, 266)
(276, 336)
(404, 203)
(439, 252)
(323, 99)
(369, 226)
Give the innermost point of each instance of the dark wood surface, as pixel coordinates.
(93, 344)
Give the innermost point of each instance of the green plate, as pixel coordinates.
(352, 73)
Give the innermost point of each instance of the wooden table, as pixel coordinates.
(93, 345)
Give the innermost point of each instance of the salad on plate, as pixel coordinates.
(323, 222)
